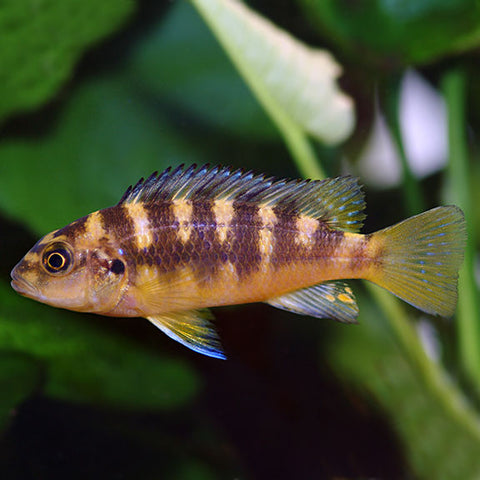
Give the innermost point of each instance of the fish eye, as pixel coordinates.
(57, 258)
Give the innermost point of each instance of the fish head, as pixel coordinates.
(82, 274)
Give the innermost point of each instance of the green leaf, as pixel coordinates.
(42, 40)
(440, 432)
(468, 324)
(20, 375)
(106, 138)
(294, 83)
(398, 32)
(87, 361)
(168, 67)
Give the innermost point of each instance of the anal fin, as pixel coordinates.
(193, 329)
(326, 300)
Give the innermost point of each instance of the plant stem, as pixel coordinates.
(305, 159)
(468, 321)
(302, 151)
(291, 132)
(431, 373)
(406, 335)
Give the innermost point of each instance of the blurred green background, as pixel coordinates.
(95, 95)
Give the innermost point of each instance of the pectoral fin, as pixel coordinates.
(327, 300)
(168, 292)
(192, 329)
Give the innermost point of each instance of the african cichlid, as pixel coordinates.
(192, 238)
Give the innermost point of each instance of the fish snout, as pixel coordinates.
(20, 284)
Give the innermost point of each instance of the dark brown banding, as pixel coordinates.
(358, 255)
(73, 230)
(38, 247)
(117, 223)
(119, 228)
(361, 255)
(327, 241)
(203, 246)
(244, 245)
(166, 249)
(83, 261)
(160, 215)
(285, 231)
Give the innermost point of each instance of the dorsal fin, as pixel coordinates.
(336, 201)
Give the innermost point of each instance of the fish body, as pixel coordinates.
(193, 238)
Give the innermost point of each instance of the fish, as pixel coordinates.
(191, 238)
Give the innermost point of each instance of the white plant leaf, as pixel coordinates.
(293, 81)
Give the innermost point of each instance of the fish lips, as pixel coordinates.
(21, 285)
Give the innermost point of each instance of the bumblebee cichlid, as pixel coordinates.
(192, 238)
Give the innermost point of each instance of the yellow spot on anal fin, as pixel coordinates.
(223, 212)
(325, 300)
(329, 298)
(346, 298)
(182, 211)
(143, 230)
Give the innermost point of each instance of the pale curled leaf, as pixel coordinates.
(287, 76)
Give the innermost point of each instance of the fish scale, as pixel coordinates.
(191, 238)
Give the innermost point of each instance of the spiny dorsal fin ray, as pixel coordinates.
(192, 329)
(336, 201)
(327, 300)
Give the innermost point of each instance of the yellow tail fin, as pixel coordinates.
(421, 258)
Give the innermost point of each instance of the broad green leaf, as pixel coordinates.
(40, 41)
(87, 362)
(439, 431)
(296, 84)
(398, 33)
(20, 375)
(180, 62)
(106, 138)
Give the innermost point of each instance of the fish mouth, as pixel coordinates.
(22, 286)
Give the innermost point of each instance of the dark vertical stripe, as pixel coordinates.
(327, 241)
(203, 246)
(73, 230)
(117, 223)
(119, 230)
(284, 233)
(166, 249)
(39, 246)
(244, 251)
(359, 257)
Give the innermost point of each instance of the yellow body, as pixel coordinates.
(190, 239)
(268, 282)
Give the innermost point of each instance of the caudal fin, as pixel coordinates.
(421, 257)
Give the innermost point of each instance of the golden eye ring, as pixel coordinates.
(57, 259)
